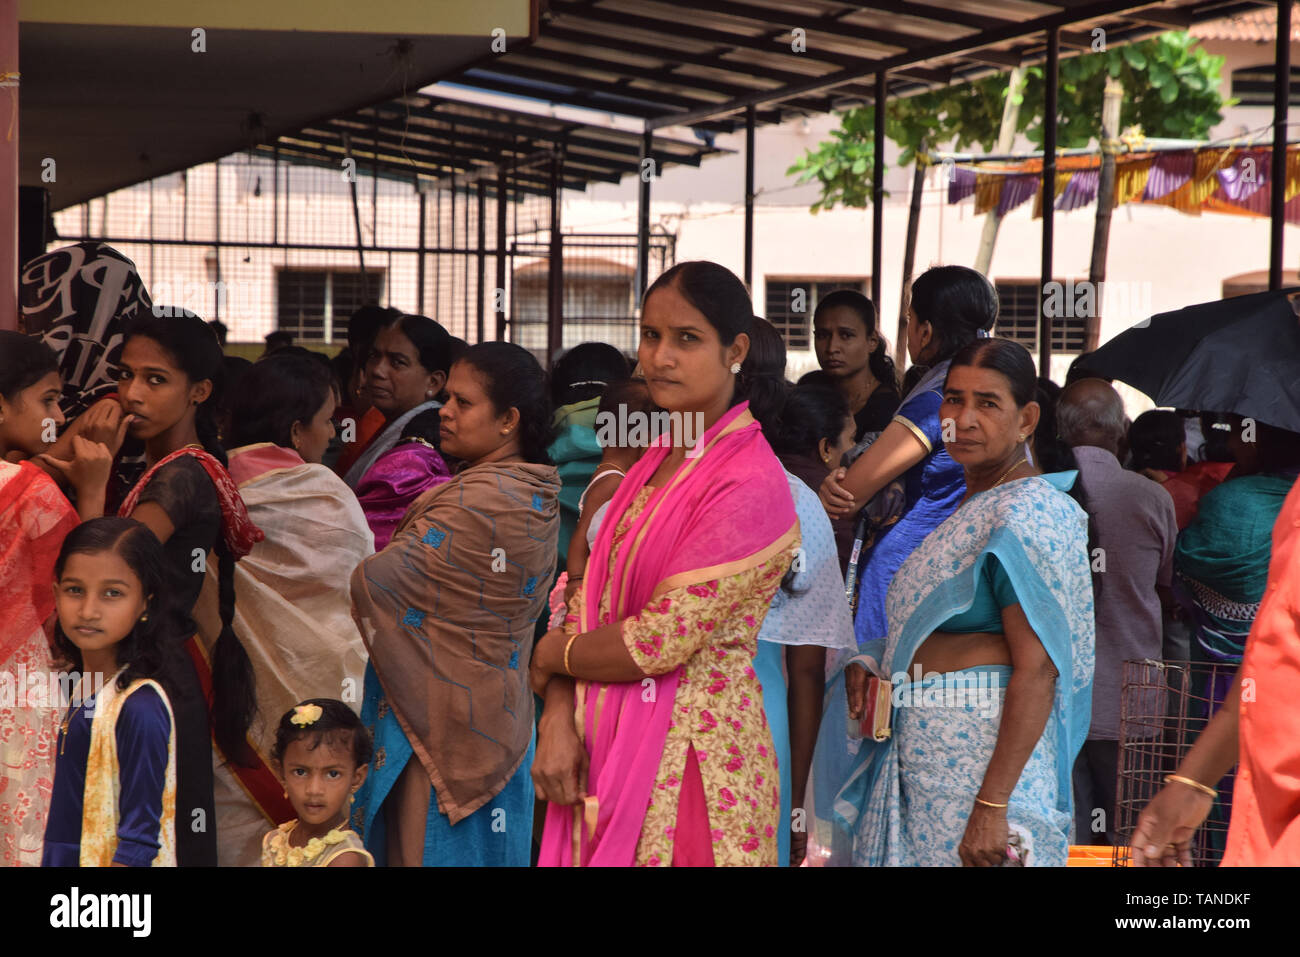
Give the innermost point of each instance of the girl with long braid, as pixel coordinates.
(170, 374)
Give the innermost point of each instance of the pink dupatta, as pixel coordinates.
(723, 511)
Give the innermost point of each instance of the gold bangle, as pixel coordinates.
(1203, 788)
(567, 646)
(980, 800)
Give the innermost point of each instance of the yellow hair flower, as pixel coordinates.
(305, 714)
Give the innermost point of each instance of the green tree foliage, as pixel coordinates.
(1171, 89)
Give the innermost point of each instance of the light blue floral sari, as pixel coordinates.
(906, 801)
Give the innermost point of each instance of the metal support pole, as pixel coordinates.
(9, 117)
(643, 219)
(878, 188)
(482, 260)
(750, 114)
(419, 259)
(499, 294)
(216, 219)
(275, 197)
(555, 275)
(1281, 100)
(1050, 79)
(356, 222)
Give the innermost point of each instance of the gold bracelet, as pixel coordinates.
(567, 646)
(980, 800)
(1203, 788)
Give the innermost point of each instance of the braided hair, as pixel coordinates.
(194, 347)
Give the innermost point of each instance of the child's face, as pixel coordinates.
(320, 780)
(99, 599)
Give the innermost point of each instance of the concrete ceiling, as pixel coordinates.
(113, 105)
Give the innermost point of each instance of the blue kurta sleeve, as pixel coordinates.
(920, 414)
(143, 730)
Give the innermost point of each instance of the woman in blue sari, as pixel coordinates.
(990, 649)
(949, 307)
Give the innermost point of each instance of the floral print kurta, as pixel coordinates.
(711, 631)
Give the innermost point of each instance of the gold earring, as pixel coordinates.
(145, 616)
(1022, 437)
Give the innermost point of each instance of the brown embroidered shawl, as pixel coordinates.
(447, 613)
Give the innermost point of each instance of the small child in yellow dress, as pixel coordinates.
(321, 754)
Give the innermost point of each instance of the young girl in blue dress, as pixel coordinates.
(114, 798)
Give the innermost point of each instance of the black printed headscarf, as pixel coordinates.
(78, 299)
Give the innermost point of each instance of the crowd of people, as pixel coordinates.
(423, 604)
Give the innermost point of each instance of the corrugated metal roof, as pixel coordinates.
(702, 62)
(425, 137)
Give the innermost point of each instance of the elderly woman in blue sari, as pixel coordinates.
(447, 612)
(990, 649)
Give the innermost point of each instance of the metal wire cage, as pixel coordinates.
(1164, 706)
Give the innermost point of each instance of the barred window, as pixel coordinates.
(315, 304)
(1253, 85)
(791, 302)
(1018, 317)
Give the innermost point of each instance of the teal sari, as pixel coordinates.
(905, 801)
(1221, 560)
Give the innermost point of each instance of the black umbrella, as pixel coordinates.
(1237, 355)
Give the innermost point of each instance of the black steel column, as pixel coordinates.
(482, 258)
(749, 197)
(275, 200)
(499, 293)
(555, 275)
(643, 219)
(419, 261)
(216, 219)
(878, 188)
(1050, 80)
(1281, 100)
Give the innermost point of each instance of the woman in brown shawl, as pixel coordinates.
(447, 613)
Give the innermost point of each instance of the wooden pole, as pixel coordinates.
(909, 254)
(1112, 98)
(1006, 140)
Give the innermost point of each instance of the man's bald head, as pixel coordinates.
(1090, 412)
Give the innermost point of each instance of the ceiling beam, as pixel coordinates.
(1012, 31)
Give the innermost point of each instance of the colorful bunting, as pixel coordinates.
(1215, 178)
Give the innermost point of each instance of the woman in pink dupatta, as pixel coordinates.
(666, 716)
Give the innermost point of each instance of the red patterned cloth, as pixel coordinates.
(34, 519)
(236, 527)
